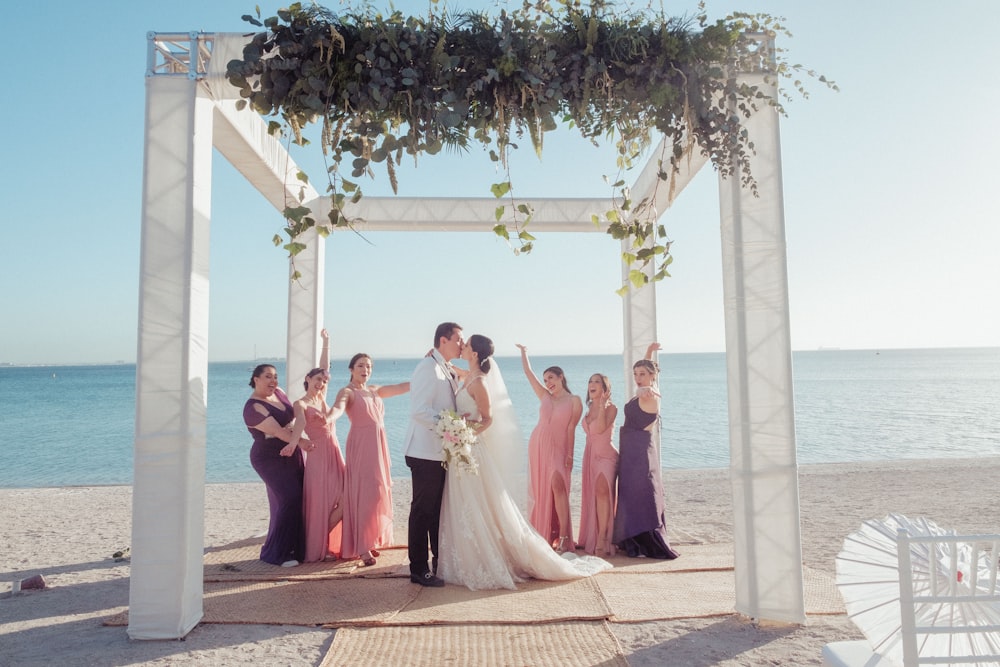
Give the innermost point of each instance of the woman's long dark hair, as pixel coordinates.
(558, 372)
(310, 374)
(483, 347)
(355, 359)
(258, 371)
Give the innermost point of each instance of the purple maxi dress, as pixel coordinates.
(640, 526)
(282, 476)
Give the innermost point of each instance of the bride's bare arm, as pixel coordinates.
(481, 395)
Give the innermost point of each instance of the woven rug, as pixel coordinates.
(532, 602)
(694, 558)
(700, 595)
(574, 644)
(239, 588)
(350, 601)
(240, 561)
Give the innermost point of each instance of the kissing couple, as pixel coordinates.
(466, 527)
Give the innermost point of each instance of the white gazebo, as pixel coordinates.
(191, 108)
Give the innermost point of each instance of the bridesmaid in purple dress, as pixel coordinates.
(640, 525)
(267, 414)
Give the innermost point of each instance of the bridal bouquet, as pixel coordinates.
(457, 440)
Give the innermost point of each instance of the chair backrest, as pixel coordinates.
(949, 599)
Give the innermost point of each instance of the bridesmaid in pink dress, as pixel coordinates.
(600, 469)
(368, 511)
(323, 483)
(550, 455)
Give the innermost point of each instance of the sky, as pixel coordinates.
(888, 187)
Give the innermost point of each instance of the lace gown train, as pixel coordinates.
(485, 541)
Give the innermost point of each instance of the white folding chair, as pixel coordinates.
(955, 621)
(949, 605)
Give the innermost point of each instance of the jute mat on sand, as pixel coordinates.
(341, 594)
(240, 561)
(532, 602)
(694, 558)
(571, 644)
(699, 595)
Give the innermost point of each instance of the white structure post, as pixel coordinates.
(305, 311)
(638, 319)
(165, 590)
(763, 470)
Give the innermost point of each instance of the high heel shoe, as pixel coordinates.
(604, 548)
(601, 549)
(562, 547)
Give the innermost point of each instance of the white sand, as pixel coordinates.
(68, 535)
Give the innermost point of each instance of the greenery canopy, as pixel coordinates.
(385, 86)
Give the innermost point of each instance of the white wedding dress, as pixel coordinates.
(484, 540)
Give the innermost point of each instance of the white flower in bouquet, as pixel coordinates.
(457, 441)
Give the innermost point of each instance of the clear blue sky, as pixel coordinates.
(892, 236)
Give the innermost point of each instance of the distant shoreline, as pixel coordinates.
(281, 360)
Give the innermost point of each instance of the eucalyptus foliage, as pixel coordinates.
(388, 86)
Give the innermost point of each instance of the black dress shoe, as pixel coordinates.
(426, 579)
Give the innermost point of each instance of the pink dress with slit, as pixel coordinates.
(548, 448)
(600, 459)
(368, 501)
(323, 487)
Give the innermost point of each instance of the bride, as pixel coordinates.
(485, 541)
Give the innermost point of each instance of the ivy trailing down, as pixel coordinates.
(385, 86)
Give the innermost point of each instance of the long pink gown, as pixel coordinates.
(322, 488)
(600, 459)
(548, 448)
(368, 508)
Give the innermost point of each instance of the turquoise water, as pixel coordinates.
(73, 425)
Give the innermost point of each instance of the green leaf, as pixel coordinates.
(500, 189)
(637, 278)
(296, 213)
(294, 248)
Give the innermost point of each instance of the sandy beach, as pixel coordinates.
(69, 535)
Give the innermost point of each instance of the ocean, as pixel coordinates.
(74, 425)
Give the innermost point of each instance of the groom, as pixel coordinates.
(432, 389)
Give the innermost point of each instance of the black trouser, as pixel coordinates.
(425, 512)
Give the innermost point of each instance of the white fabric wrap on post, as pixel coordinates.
(763, 469)
(165, 586)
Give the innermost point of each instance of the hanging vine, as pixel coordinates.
(385, 87)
